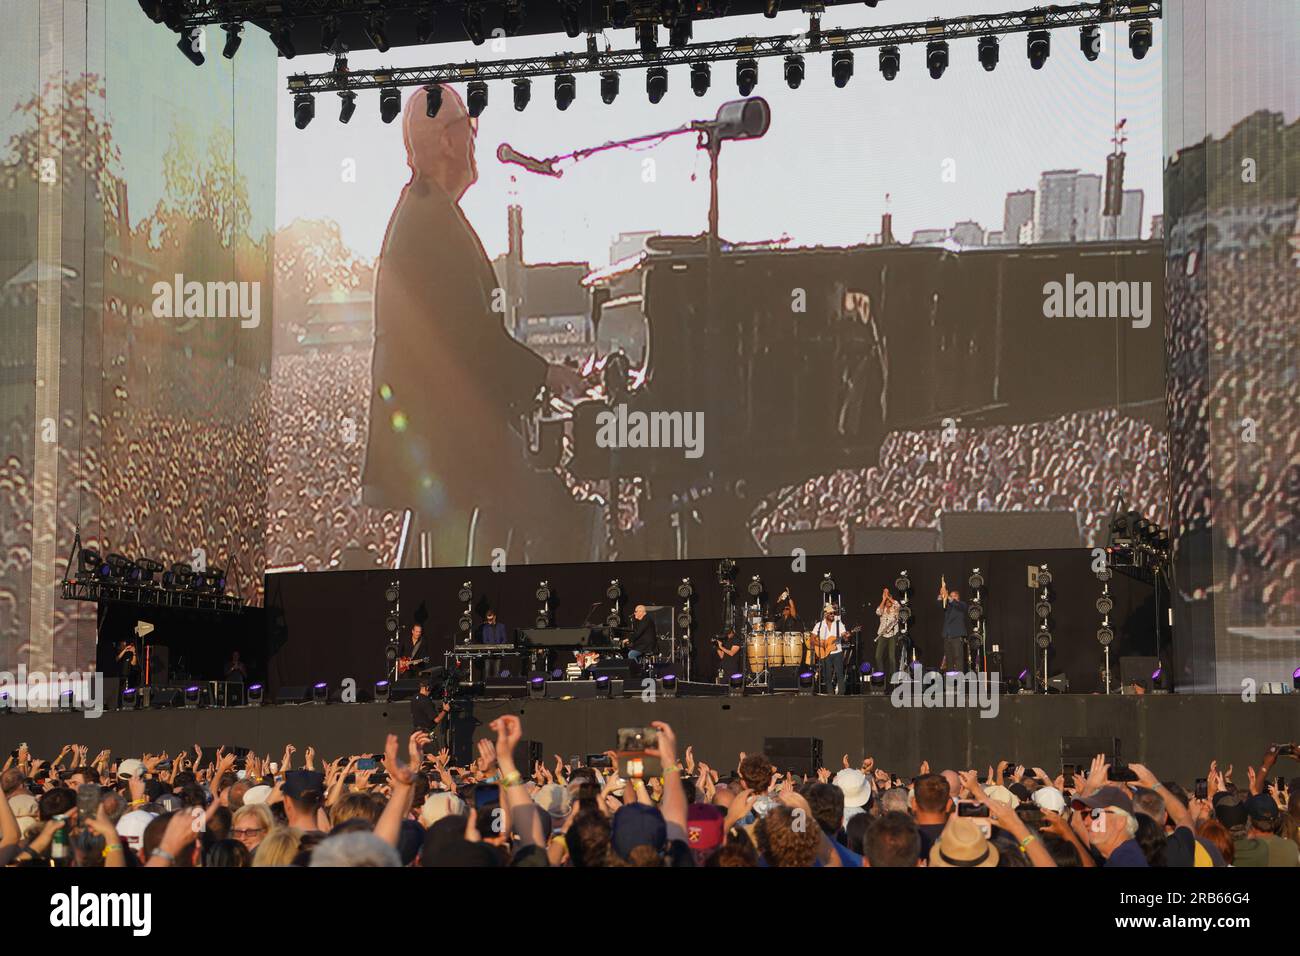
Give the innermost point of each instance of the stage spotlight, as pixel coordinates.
(152, 9)
(234, 37)
(1039, 48)
(736, 685)
(1160, 681)
(613, 619)
(282, 37)
(128, 699)
(569, 18)
(975, 611)
(466, 623)
(191, 44)
(609, 86)
(876, 683)
(382, 690)
(537, 687)
(566, 88)
(684, 590)
(936, 57)
(1044, 576)
(424, 25)
(466, 593)
(976, 580)
(890, 62)
(604, 686)
(1139, 38)
(476, 98)
(391, 652)
(1295, 679)
(904, 613)
(794, 70)
(902, 583)
(320, 692)
(304, 110)
(1104, 604)
(679, 32)
(684, 619)
(390, 103)
(543, 618)
(512, 17)
(543, 592)
(771, 8)
(178, 578)
(1105, 635)
(842, 67)
(1090, 41)
(472, 20)
(433, 100)
(214, 580)
(1043, 609)
(393, 592)
(614, 591)
(88, 564)
(647, 35)
(347, 105)
(376, 30)
(656, 83)
(256, 695)
(700, 77)
(1104, 575)
(755, 587)
(1043, 638)
(619, 12)
(523, 92)
(329, 35)
(827, 583)
(805, 683)
(191, 697)
(746, 76)
(390, 622)
(670, 685)
(989, 53)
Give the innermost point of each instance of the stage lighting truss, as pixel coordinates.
(119, 579)
(936, 35)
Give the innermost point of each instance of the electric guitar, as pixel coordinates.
(824, 647)
(406, 663)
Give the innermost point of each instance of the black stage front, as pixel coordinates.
(1175, 735)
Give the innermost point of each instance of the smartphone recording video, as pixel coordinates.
(633, 761)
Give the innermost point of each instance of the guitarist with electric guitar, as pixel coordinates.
(828, 644)
(418, 658)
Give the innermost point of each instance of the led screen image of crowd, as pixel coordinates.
(458, 396)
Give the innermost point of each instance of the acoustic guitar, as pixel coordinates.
(824, 647)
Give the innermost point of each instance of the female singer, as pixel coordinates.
(887, 634)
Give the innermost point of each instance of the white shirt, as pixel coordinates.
(835, 629)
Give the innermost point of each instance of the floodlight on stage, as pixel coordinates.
(656, 83)
(537, 687)
(256, 695)
(320, 692)
(390, 103)
(684, 618)
(1295, 679)
(566, 88)
(614, 591)
(234, 36)
(975, 611)
(1044, 576)
(1105, 635)
(466, 623)
(842, 67)
(382, 690)
(604, 686)
(670, 685)
(512, 17)
(755, 587)
(376, 30)
(1159, 681)
(1038, 48)
(700, 78)
(794, 71)
(890, 62)
(1090, 41)
(178, 577)
(282, 37)
(684, 590)
(746, 75)
(88, 564)
(805, 683)
(876, 683)
(523, 92)
(329, 35)
(1139, 38)
(736, 685)
(348, 105)
(390, 622)
(569, 18)
(936, 58)
(1104, 604)
(191, 44)
(608, 86)
(989, 52)
(424, 25)
(433, 100)
(472, 20)
(902, 583)
(191, 697)
(153, 9)
(827, 584)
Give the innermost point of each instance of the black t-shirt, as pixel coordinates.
(930, 833)
(644, 638)
(424, 709)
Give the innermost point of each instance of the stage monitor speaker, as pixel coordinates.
(692, 689)
(505, 687)
(1008, 530)
(800, 755)
(585, 689)
(528, 753)
(895, 540)
(780, 679)
(293, 694)
(618, 668)
(159, 697)
(1081, 750)
(1136, 670)
(404, 689)
(818, 541)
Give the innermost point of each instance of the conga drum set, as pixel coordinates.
(766, 647)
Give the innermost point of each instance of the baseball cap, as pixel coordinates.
(1049, 798)
(1105, 797)
(636, 824)
(1231, 811)
(704, 829)
(132, 826)
(298, 782)
(1262, 807)
(130, 768)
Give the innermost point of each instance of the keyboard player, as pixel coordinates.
(492, 631)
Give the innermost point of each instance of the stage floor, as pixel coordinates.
(1176, 736)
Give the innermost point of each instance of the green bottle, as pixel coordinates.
(59, 850)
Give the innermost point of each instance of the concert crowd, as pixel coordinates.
(659, 806)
